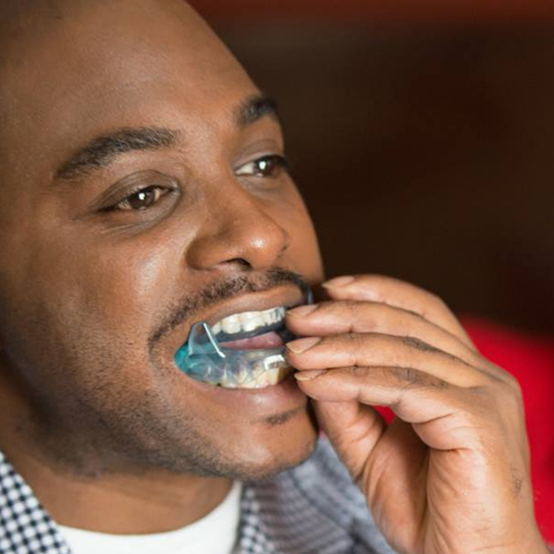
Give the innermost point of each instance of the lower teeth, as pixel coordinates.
(266, 378)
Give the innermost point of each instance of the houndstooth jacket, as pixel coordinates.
(311, 509)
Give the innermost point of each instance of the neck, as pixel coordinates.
(126, 502)
(121, 504)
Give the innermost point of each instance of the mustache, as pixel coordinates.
(225, 290)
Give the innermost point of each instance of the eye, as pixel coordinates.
(266, 166)
(141, 199)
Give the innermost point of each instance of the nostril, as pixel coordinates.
(240, 261)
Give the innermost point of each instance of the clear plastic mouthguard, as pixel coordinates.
(203, 359)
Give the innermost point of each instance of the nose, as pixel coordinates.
(238, 231)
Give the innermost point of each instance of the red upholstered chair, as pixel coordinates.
(531, 360)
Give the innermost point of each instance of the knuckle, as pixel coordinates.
(507, 390)
(353, 339)
(514, 385)
(349, 306)
(498, 402)
(513, 395)
(418, 344)
(358, 372)
(406, 376)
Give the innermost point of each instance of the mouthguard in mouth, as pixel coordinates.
(205, 357)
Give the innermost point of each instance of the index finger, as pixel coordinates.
(399, 294)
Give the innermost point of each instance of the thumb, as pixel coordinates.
(352, 428)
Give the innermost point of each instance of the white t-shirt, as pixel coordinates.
(216, 533)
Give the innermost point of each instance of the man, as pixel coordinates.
(145, 189)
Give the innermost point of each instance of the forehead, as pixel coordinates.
(114, 64)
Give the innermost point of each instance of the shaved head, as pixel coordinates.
(52, 50)
(20, 11)
(20, 21)
(26, 26)
(20, 18)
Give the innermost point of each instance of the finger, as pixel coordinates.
(398, 443)
(377, 288)
(374, 349)
(349, 316)
(374, 386)
(347, 424)
(415, 397)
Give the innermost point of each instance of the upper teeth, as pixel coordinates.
(248, 321)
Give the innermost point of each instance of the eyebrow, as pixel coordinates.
(103, 150)
(254, 108)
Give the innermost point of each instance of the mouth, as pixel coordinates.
(244, 350)
(253, 330)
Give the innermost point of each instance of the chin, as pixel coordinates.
(285, 443)
(243, 448)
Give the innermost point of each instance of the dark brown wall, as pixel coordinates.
(422, 154)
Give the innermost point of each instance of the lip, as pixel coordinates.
(289, 297)
(257, 403)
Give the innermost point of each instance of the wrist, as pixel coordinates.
(537, 547)
(530, 541)
(532, 545)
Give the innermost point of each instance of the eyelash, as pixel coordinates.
(125, 204)
(274, 164)
(280, 163)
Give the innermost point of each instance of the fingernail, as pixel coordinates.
(303, 311)
(339, 281)
(309, 375)
(301, 345)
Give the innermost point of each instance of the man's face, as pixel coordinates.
(179, 212)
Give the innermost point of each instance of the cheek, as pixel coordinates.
(123, 290)
(84, 297)
(129, 284)
(88, 321)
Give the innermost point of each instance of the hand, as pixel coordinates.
(451, 473)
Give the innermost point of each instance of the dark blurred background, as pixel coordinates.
(422, 139)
